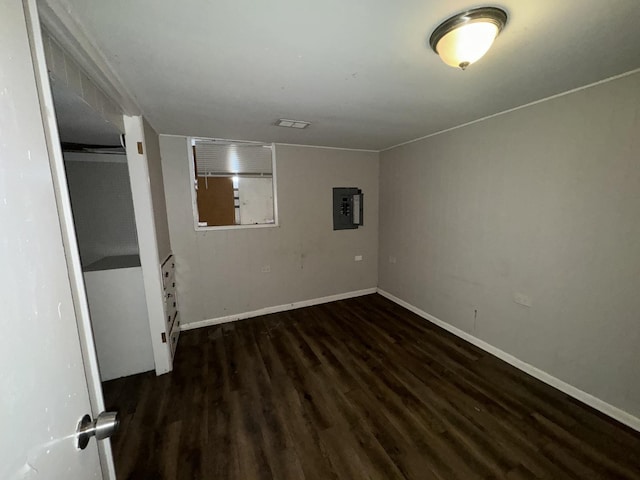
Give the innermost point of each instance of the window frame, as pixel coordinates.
(194, 193)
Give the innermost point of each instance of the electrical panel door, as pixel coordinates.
(347, 208)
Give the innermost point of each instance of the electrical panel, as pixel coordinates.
(347, 208)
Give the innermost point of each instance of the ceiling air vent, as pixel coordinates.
(283, 122)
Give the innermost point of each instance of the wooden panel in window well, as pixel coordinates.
(215, 201)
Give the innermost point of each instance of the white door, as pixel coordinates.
(43, 389)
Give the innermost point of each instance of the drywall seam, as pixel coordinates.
(584, 397)
(557, 95)
(276, 309)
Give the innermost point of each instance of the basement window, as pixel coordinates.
(233, 184)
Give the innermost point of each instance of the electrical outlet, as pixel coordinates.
(266, 269)
(358, 258)
(522, 299)
(392, 259)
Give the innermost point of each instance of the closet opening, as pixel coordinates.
(98, 181)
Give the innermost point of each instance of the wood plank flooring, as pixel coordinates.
(355, 389)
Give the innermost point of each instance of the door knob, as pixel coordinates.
(102, 427)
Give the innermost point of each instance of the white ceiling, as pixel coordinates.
(360, 70)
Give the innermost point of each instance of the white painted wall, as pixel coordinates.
(102, 205)
(142, 186)
(156, 184)
(120, 321)
(219, 273)
(542, 202)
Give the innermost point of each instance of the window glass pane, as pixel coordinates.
(216, 158)
(256, 200)
(233, 183)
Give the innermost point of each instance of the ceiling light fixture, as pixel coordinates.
(283, 122)
(464, 38)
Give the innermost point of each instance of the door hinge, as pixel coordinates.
(140, 151)
(164, 337)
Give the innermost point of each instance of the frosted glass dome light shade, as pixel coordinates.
(464, 39)
(466, 44)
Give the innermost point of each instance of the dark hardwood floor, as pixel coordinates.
(355, 389)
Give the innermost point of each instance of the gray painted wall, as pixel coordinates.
(219, 273)
(102, 205)
(544, 202)
(156, 181)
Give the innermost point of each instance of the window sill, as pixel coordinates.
(235, 227)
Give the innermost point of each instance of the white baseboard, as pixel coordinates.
(276, 309)
(594, 402)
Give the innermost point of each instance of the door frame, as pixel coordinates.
(67, 227)
(138, 162)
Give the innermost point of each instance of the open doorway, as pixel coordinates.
(103, 239)
(110, 196)
(103, 214)
(112, 226)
